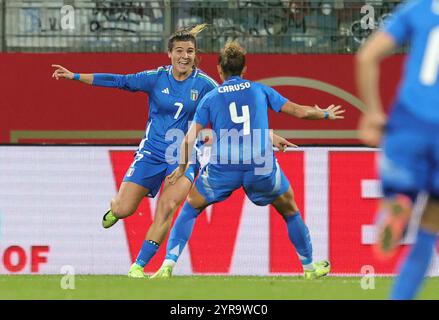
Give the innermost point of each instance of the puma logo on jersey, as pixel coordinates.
(165, 91)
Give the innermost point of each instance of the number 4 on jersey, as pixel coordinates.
(245, 118)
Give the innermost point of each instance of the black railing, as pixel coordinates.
(264, 26)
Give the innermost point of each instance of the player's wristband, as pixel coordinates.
(76, 76)
(326, 115)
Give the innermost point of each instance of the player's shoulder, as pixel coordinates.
(212, 95)
(203, 77)
(162, 70)
(261, 86)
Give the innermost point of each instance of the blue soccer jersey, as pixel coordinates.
(172, 103)
(238, 113)
(417, 22)
(172, 106)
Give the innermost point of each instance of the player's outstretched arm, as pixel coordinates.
(332, 112)
(61, 72)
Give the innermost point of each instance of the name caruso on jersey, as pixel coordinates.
(234, 87)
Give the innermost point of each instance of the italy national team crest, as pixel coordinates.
(194, 95)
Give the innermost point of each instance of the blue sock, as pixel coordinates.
(148, 250)
(415, 267)
(181, 231)
(299, 236)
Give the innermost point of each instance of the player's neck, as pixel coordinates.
(181, 76)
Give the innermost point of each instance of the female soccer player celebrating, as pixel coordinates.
(223, 175)
(174, 92)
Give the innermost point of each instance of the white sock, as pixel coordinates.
(168, 263)
(309, 266)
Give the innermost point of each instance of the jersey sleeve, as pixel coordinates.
(398, 25)
(202, 114)
(142, 81)
(274, 98)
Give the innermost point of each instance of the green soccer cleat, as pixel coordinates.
(162, 273)
(321, 269)
(108, 220)
(136, 271)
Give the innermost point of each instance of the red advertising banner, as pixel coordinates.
(337, 191)
(37, 108)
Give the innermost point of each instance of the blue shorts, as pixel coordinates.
(149, 171)
(409, 160)
(216, 184)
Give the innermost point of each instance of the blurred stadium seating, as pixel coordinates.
(263, 26)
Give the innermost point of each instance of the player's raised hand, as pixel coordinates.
(61, 72)
(175, 175)
(370, 128)
(334, 112)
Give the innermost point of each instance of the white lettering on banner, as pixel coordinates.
(316, 200)
(371, 189)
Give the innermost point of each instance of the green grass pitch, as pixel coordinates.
(199, 288)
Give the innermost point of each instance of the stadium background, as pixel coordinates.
(52, 197)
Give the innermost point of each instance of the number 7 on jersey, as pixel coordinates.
(180, 107)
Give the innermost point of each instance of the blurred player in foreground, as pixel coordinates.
(241, 106)
(174, 92)
(409, 160)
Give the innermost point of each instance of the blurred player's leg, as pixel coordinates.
(299, 236)
(181, 232)
(394, 216)
(414, 269)
(404, 172)
(125, 203)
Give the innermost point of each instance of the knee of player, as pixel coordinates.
(166, 207)
(120, 209)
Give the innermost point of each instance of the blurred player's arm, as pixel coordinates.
(312, 113)
(367, 61)
(185, 151)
